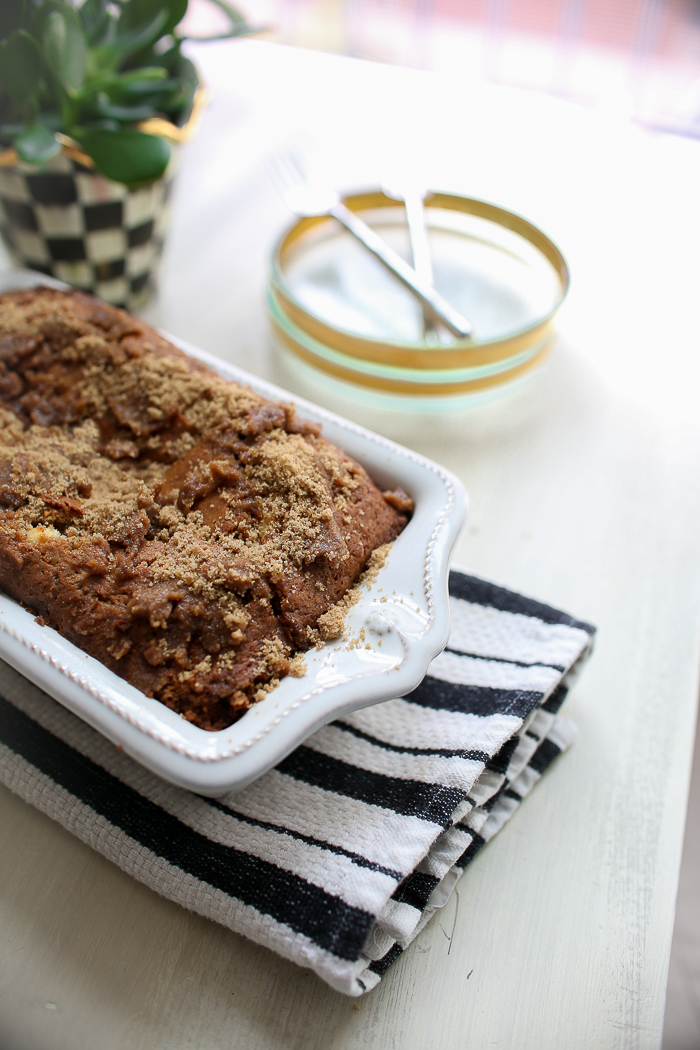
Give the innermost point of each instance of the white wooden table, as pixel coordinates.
(585, 493)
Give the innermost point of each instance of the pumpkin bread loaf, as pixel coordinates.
(180, 528)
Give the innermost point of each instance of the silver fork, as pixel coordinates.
(413, 195)
(305, 199)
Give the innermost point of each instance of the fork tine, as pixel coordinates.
(285, 172)
(274, 167)
(296, 162)
(278, 176)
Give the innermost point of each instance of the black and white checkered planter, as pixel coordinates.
(74, 224)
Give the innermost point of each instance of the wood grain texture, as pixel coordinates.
(585, 493)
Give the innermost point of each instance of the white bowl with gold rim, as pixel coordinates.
(337, 311)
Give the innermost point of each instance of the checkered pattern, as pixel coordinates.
(80, 227)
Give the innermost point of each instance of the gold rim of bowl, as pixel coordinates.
(407, 386)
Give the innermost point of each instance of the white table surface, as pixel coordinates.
(585, 493)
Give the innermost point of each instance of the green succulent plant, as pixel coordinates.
(93, 71)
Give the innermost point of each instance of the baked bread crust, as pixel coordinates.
(185, 531)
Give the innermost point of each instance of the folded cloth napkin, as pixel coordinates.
(337, 858)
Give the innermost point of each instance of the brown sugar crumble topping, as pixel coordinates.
(193, 536)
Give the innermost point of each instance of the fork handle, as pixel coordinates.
(420, 250)
(429, 297)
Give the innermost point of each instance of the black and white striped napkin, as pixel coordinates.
(337, 858)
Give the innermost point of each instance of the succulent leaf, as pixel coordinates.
(37, 144)
(95, 17)
(64, 47)
(142, 12)
(20, 66)
(126, 155)
(126, 42)
(127, 114)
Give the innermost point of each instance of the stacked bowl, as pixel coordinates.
(339, 316)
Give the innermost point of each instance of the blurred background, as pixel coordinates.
(638, 57)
